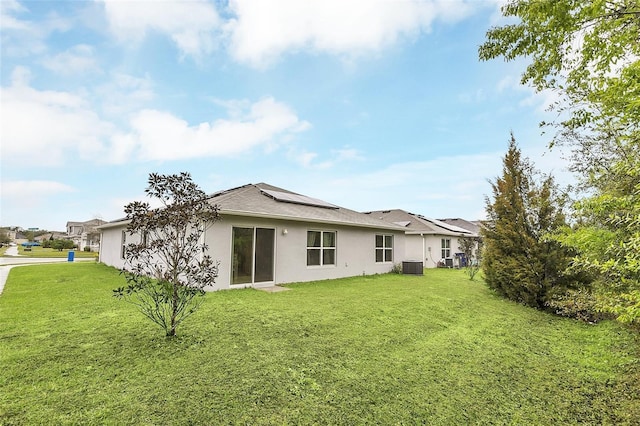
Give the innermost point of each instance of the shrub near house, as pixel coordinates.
(58, 244)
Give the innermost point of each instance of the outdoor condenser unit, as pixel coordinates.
(412, 267)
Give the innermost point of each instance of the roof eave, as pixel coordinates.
(114, 224)
(311, 220)
(447, 233)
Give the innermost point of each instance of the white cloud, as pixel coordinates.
(22, 37)
(77, 59)
(258, 32)
(125, 93)
(55, 127)
(114, 207)
(9, 22)
(540, 101)
(18, 195)
(438, 175)
(263, 30)
(304, 158)
(497, 19)
(448, 186)
(160, 135)
(307, 159)
(33, 188)
(347, 154)
(474, 97)
(47, 126)
(189, 24)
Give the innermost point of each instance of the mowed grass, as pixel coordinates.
(39, 251)
(388, 349)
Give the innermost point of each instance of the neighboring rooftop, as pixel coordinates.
(88, 226)
(418, 224)
(473, 226)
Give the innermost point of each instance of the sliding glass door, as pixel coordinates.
(253, 257)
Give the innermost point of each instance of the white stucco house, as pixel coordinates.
(428, 240)
(269, 235)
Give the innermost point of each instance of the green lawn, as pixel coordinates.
(37, 251)
(388, 349)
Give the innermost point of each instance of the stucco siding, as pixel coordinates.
(355, 250)
(428, 248)
(433, 248)
(414, 249)
(111, 247)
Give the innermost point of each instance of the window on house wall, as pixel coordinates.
(384, 248)
(123, 246)
(321, 248)
(446, 248)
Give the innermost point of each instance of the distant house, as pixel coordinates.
(269, 235)
(428, 240)
(54, 235)
(85, 234)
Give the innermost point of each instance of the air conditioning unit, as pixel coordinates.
(412, 267)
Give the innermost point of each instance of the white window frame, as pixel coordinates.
(384, 248)
(322, 248)
(123, 248)
(445, 248)
(254, 230)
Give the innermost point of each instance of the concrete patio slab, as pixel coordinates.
(273, 289)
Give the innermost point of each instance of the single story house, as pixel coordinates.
(269, 235)
(431, 241)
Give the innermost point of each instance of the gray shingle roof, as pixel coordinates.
(418, 224)
(252, 200)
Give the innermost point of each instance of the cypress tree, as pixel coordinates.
(520, 262)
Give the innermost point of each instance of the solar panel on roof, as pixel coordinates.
(287, 197)
(445, 225)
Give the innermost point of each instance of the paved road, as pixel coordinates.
(14, 259)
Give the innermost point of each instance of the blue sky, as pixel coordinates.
(367, 104)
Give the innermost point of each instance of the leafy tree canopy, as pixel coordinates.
(167, 266)
(4, 236)
(589, 53)
(59, 244)
(571, 43)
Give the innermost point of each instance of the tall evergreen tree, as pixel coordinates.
(588, 53)
(519, 261)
